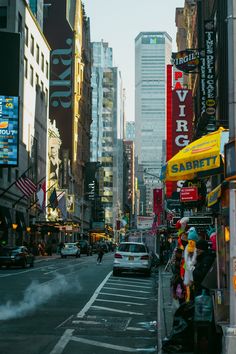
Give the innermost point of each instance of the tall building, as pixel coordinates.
(102, 58)
(152, 54)
(70, 93)
(130, 131)
(24, 71)
(107, 128)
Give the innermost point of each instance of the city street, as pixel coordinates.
(76, 306)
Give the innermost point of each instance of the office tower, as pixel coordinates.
(107, 128)
(152, 54)
(130, 131)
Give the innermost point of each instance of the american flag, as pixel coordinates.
(26, 186)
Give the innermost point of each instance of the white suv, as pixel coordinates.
(70, 249)
(132, 256)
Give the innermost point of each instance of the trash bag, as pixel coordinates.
(181, 336)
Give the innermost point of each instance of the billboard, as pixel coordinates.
(9, 130)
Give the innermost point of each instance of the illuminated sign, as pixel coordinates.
(9, 126)
(186, 60)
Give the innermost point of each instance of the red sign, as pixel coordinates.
(188, 194)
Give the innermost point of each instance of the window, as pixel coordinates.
(32, 44)
(37, 79)
(37, 53)
(19, 23)
(3, 17)
(26, 67)
(42, 87)
(46, 69)
(31, 75)
(46, 95)
(42, 62)
(26, 35)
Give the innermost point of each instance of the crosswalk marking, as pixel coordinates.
(121, 295)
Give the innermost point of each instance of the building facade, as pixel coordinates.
(152, 54)
(32, 81)
(108, 128)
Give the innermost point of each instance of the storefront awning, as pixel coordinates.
(201, 156)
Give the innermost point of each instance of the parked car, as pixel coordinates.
(85, 247)
(16, 256)
(131, 256)
(70, 249)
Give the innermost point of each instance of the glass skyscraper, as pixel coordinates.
(152, 54)
(107, 128)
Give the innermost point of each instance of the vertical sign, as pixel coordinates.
(9, 130)
(210, 73)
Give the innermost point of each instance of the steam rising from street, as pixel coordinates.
(36, 294)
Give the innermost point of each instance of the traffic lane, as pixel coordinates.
(19, 284)
(40, 329)
(114, 320)
(15, 281)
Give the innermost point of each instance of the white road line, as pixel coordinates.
(115, 310)
(63, 341)
(120, 295)
(93, 298)
(134, 328)
(135, 286)
(121, 302)
(61, 324)
(103, 345)
(133, 280)
(137, 291)
(85, 322)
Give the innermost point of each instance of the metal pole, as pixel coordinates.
(230, 340)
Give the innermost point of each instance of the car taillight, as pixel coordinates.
(117, 255)
(146, 257)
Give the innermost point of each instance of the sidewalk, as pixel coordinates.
(165, 310)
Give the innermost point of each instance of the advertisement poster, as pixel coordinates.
(9, 125)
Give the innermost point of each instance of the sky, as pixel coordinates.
(118, 22)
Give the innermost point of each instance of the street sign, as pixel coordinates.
(188, 194)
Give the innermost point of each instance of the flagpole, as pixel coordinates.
(7, 189)
(36, 194)
(18, 200)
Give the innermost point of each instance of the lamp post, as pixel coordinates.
(230, 340)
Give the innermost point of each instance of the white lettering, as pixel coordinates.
(183, 142)
(182, 126)
(182, 110)
(182, 94)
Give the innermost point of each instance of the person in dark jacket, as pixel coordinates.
(205, 259)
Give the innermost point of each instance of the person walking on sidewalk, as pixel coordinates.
(100, 255)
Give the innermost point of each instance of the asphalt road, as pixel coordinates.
(74, 306)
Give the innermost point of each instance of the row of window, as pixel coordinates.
(34, 80)
(34, 50)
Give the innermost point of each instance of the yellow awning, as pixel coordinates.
(213, 196)
(201, 155)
